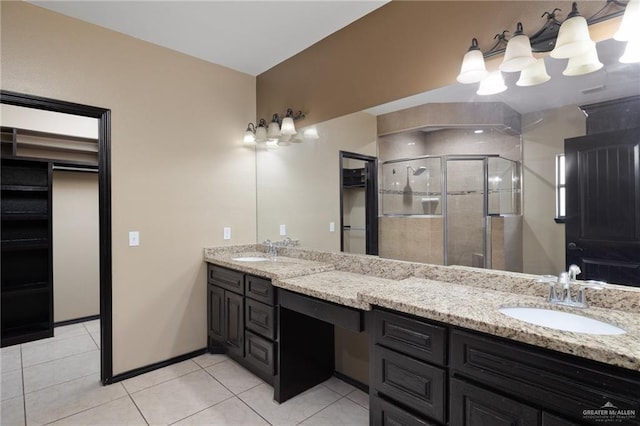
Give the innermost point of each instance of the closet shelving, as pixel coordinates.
(26, 290)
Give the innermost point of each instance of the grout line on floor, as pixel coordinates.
(324, 408)
(61, 383)
(204, 409)
(94, 340)
(36, 343)
(163, 381)
(58, 359)
(82, 411)
(136, 405)
(251, 408)
(353, 400)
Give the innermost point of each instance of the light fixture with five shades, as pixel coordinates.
(569, 39)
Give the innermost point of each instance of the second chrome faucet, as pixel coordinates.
(566, 281)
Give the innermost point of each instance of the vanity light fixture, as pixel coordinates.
(279, 131)
(569, 39)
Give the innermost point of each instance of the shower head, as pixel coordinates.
(419, 171)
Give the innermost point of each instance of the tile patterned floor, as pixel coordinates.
(56, 381)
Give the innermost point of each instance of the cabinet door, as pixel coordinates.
(474, 406)
(234, 323)
(215, 312)
(551, 420)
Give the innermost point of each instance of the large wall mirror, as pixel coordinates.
(298, 185)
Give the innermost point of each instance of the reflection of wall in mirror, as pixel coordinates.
(543, 137)
(299, 185)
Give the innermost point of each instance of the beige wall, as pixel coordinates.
(299, 184)
(543, 138)
(76, 258)
(179, 170)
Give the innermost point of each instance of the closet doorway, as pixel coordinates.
(103, 169)
(358, 203)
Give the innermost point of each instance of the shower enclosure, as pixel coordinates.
(462, 208)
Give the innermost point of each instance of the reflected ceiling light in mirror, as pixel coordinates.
(518, 54)
(583, 64)
(310, 133)
(273, 131)
(534, 74)
(278, 131)
(630, 25)
(261, 131)
(478, 131)
(573, 37)
(492, 84)
(250, 134)
(631, 53)
(473, 68)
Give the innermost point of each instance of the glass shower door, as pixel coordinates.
(466, 212)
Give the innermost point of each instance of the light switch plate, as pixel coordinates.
(226, 231)
(134, 238)
(283, 230)
(332, 227)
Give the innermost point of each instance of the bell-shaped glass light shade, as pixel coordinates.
(288, 128)
(533, 74)
(273, 132)
(249, 137)
(311, 133)
(492, 84)
(473, 68)
(573, 37)
(518, 54)
(261, 134)
(631, 53)
(630, 25)
(583, 64)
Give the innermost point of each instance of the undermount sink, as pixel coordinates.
(250, 259)
(560, 320)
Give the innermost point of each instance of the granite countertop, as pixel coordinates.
(473, 306)
(344, 288)
(275, 268)
(477, 309)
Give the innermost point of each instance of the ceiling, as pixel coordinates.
(247, 36)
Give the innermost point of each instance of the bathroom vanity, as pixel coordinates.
(440, 352)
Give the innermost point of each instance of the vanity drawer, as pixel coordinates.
(259, 352)
(415, 384)
(546, 379)
(383, 413)
(260, 318)
(410, 336)
(225, 278)
(259, 289)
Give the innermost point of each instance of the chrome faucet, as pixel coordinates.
(566, 280)
(272, 249)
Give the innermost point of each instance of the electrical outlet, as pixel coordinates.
(134, 238)
(283, 230)
(226, 231)
(332, 227)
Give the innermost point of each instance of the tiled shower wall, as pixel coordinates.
(420, 239)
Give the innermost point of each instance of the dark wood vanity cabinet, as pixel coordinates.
(425, 373)
(241, 319)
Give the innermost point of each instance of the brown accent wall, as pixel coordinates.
(398, 50)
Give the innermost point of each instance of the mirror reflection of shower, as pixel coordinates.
(466, 197)
(407, 191)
